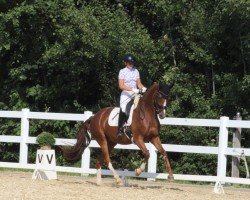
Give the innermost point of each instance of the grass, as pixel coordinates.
(15, 169)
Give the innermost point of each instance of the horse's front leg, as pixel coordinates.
(140, 143)
(157, 143)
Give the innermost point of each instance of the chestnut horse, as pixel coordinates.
(145, 128)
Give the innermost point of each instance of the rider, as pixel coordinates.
(129, 80)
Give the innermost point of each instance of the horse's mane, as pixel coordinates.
(150, 91)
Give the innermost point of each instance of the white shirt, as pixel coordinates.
(129, 76)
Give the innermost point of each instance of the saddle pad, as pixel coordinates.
(113, 117)
(136, 100)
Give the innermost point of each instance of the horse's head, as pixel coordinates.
(161, 99)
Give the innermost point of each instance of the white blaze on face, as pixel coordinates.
(164, 110)
(162, 114)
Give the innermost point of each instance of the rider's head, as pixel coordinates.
(129, 59)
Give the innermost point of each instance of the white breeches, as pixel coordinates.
(126, 96)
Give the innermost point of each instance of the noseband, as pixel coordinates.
(158, 108)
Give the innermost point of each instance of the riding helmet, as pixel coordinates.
(129, 58)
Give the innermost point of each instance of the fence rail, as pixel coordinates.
(222, 151)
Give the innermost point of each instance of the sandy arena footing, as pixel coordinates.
(19, 186)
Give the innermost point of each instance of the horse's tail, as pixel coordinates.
(74, 153)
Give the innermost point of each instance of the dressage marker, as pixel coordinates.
(45, 165)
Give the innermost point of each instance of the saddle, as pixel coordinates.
(113, 117)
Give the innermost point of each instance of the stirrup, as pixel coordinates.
(120, 132)
(128, 132)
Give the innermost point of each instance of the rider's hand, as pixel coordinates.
(143, 89)
(135, 90)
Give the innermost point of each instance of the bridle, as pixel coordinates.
(158, 108)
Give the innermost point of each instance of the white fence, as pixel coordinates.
(222, 150)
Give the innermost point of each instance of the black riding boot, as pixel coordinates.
(121, 120)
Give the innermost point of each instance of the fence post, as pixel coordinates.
(23, 156)
(222, 158)
(85, 163)
(152, 161)
(236, 144)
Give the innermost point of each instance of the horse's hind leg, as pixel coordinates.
(106, 148)
(99, 170)
(99, 164)
(157, 143)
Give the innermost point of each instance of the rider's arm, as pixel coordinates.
(122, 86)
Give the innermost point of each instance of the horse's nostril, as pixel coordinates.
(162, 116)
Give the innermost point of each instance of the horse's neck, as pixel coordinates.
(146, 104)
(148, 98)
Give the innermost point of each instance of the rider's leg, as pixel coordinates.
(124, 100)
(121, 120)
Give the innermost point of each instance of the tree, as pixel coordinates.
(54, 52)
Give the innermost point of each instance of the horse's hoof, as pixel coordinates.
(170, 177)
(138, 172)
(99, 183)
(119, 182)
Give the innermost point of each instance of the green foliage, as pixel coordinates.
(8, 152)
(56, 39)
(45, 138)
